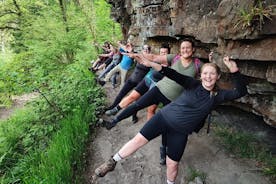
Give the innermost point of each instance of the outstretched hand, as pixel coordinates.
(231, 65)
(210, 56)
(132, 55)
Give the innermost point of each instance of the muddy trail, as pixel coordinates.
(202, 154)
(17, 103)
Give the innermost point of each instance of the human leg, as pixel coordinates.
(114, 79)
(108, 69)
(153, 96)
(150, 130)
(176, 143)
(129, 85)
(151, 111)
(113, 71)
(172, 169)
(123, 77)
(133, 96)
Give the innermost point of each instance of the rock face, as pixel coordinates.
(215, 25)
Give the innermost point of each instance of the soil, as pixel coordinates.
(203, 153)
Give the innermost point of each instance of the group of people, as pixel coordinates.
(185, 86)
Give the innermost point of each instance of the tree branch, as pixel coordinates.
(8, 28)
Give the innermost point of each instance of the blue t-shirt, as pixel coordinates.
(126, 61)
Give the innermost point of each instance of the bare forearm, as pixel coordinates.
(156, 58)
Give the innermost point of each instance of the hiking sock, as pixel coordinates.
(170, 182)
(117, 157)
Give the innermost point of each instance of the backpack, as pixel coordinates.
(196, 60)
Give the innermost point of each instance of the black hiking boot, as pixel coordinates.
(105, 167)
(134, 119)
(102, 83)
(109, 125)
(163, 152)
(111, 112)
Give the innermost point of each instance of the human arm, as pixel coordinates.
(162, 59)
(120, 45)
(210, 56)
(239, 81)
(106, 55)
(183, 80)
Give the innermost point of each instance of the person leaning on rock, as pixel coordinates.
(182, 116)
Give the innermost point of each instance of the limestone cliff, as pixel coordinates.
(223, 26)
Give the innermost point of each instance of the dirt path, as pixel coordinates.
(202, 153)
(18, 102)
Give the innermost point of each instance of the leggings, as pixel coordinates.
(176, 141)
(107, 69)
(129, 85)
(153, 96)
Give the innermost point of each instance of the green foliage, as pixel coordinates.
(46, 46)
(246, 145)
(193, 173)
(44, 142)
(26, 135)
(64, 150)
(255, 15)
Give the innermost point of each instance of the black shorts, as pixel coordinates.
(142, 88)
(176, 141)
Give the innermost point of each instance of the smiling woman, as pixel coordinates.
(181, 117)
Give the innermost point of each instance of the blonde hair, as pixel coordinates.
(212, 65)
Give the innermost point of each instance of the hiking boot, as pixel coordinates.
(102, 83)
(134, 119)
(163, 150)
(111, 112)
(109, 125)
(105, 167)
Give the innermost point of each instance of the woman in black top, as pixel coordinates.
(182, 116)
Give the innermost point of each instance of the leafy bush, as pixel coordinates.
(39, 129)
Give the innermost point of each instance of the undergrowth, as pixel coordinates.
(247, 145)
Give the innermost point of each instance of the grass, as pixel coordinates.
(247, 145)
(64, 151)
(255, 15)
(39, 144)
(194, 173)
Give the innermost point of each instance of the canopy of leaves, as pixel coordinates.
(45, 36)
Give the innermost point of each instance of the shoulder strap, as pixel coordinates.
(197, 66)
(175, 59)
(209, 122)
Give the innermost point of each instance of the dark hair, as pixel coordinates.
(166, 46)
(188, 40)
(148, 47)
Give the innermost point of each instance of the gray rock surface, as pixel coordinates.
(215, 25)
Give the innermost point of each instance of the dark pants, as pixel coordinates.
(153, 96)
(176, 141)
(129, 85)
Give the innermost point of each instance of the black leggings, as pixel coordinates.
(153, 96)
(129, 85)
(176, 141)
